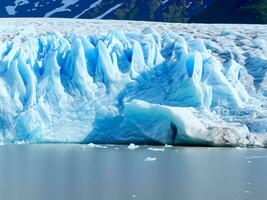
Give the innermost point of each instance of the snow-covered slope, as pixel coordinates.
(122, 82)
(155, 10)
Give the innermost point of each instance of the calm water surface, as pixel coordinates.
(78, 172)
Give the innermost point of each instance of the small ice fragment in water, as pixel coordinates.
(255, 157)
(101, 146)
(247, 191)
(168, 146)
(150, 159)
(249, 161)
(20, 142)
(133, 146)
(134, 196)
(92, 145)
(155, 149)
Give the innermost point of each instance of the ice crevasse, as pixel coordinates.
(126, 88)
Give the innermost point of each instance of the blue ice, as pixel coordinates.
(127, 88)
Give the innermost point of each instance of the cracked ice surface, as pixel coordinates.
(142, 86)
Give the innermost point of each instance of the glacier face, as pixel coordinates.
(126, 87)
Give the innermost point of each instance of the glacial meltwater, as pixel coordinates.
(107, 172)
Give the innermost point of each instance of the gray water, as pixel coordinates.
(74, 172)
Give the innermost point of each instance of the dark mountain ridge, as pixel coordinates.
(197, 11)
(237, 11)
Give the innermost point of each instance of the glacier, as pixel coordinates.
(127, 87)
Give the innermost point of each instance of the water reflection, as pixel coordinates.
(73, 172)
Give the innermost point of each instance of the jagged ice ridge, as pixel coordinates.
(125, 87)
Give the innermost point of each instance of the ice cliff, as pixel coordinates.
(125, 87)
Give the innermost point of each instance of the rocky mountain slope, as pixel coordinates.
(204, 11)
(237, 11)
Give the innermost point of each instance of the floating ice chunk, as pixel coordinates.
(150, 159)
(156, 149)
(168, 146)
(247, 191)
(92, 145)
(240, 148)
(133, 146)
(255, 157)
(22, 142)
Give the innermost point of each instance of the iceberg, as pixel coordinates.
(125, 87)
